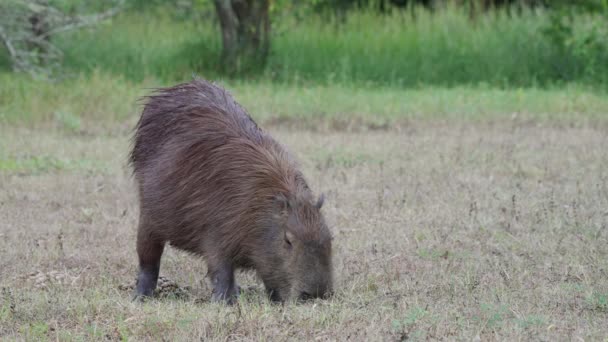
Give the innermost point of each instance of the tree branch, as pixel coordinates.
(83, 22)
(28, 26)
(6, 42)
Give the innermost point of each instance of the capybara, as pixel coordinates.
(212, 183)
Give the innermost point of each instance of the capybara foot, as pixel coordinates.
(138, 298)
(228, 295)
(146, 283)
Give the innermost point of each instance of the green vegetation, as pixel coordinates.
(414, 47)
(37, 164)
(100, 100)
(362, 67)
(96, 97)
(423, 48)
(146, 45)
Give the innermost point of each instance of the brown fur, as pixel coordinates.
(214, 184)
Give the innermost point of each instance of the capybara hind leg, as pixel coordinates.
(273, 295)
(150, 252)
(224, 285)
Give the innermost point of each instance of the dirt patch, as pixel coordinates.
(165, 288)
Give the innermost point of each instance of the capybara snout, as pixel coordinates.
(308, 254)
(212, 183)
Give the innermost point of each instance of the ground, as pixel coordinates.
(444, 229)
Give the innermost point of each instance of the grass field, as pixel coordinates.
(463, 159)
(458, 214)
(104, 102)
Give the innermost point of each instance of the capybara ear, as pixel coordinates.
(289, 238)
(320, 201)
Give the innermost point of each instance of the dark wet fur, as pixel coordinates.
(212, 183)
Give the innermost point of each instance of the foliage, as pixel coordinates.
(412, 48)
(579, 30)
(416, 46)
(443, 46)
(27, 29)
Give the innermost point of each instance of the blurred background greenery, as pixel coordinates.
(508, 43)
(77, 63)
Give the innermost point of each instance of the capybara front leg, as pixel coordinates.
(224, 286)
(150, 253)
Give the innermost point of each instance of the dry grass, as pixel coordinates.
(445, 230)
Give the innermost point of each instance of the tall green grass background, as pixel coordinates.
(374, 67)
(408, 48)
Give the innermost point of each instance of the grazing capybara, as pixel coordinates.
(212, 183)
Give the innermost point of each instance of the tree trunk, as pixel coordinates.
(40, 40)
(245, 26)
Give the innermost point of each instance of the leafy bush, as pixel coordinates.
(579, 31)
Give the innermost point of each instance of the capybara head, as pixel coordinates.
(305, 248)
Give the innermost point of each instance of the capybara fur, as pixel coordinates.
(212, 183)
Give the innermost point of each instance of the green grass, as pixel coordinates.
(96, 97)
(100, 100)
(45, 163)
(404, 49)
(144, 45)
(445, 48)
